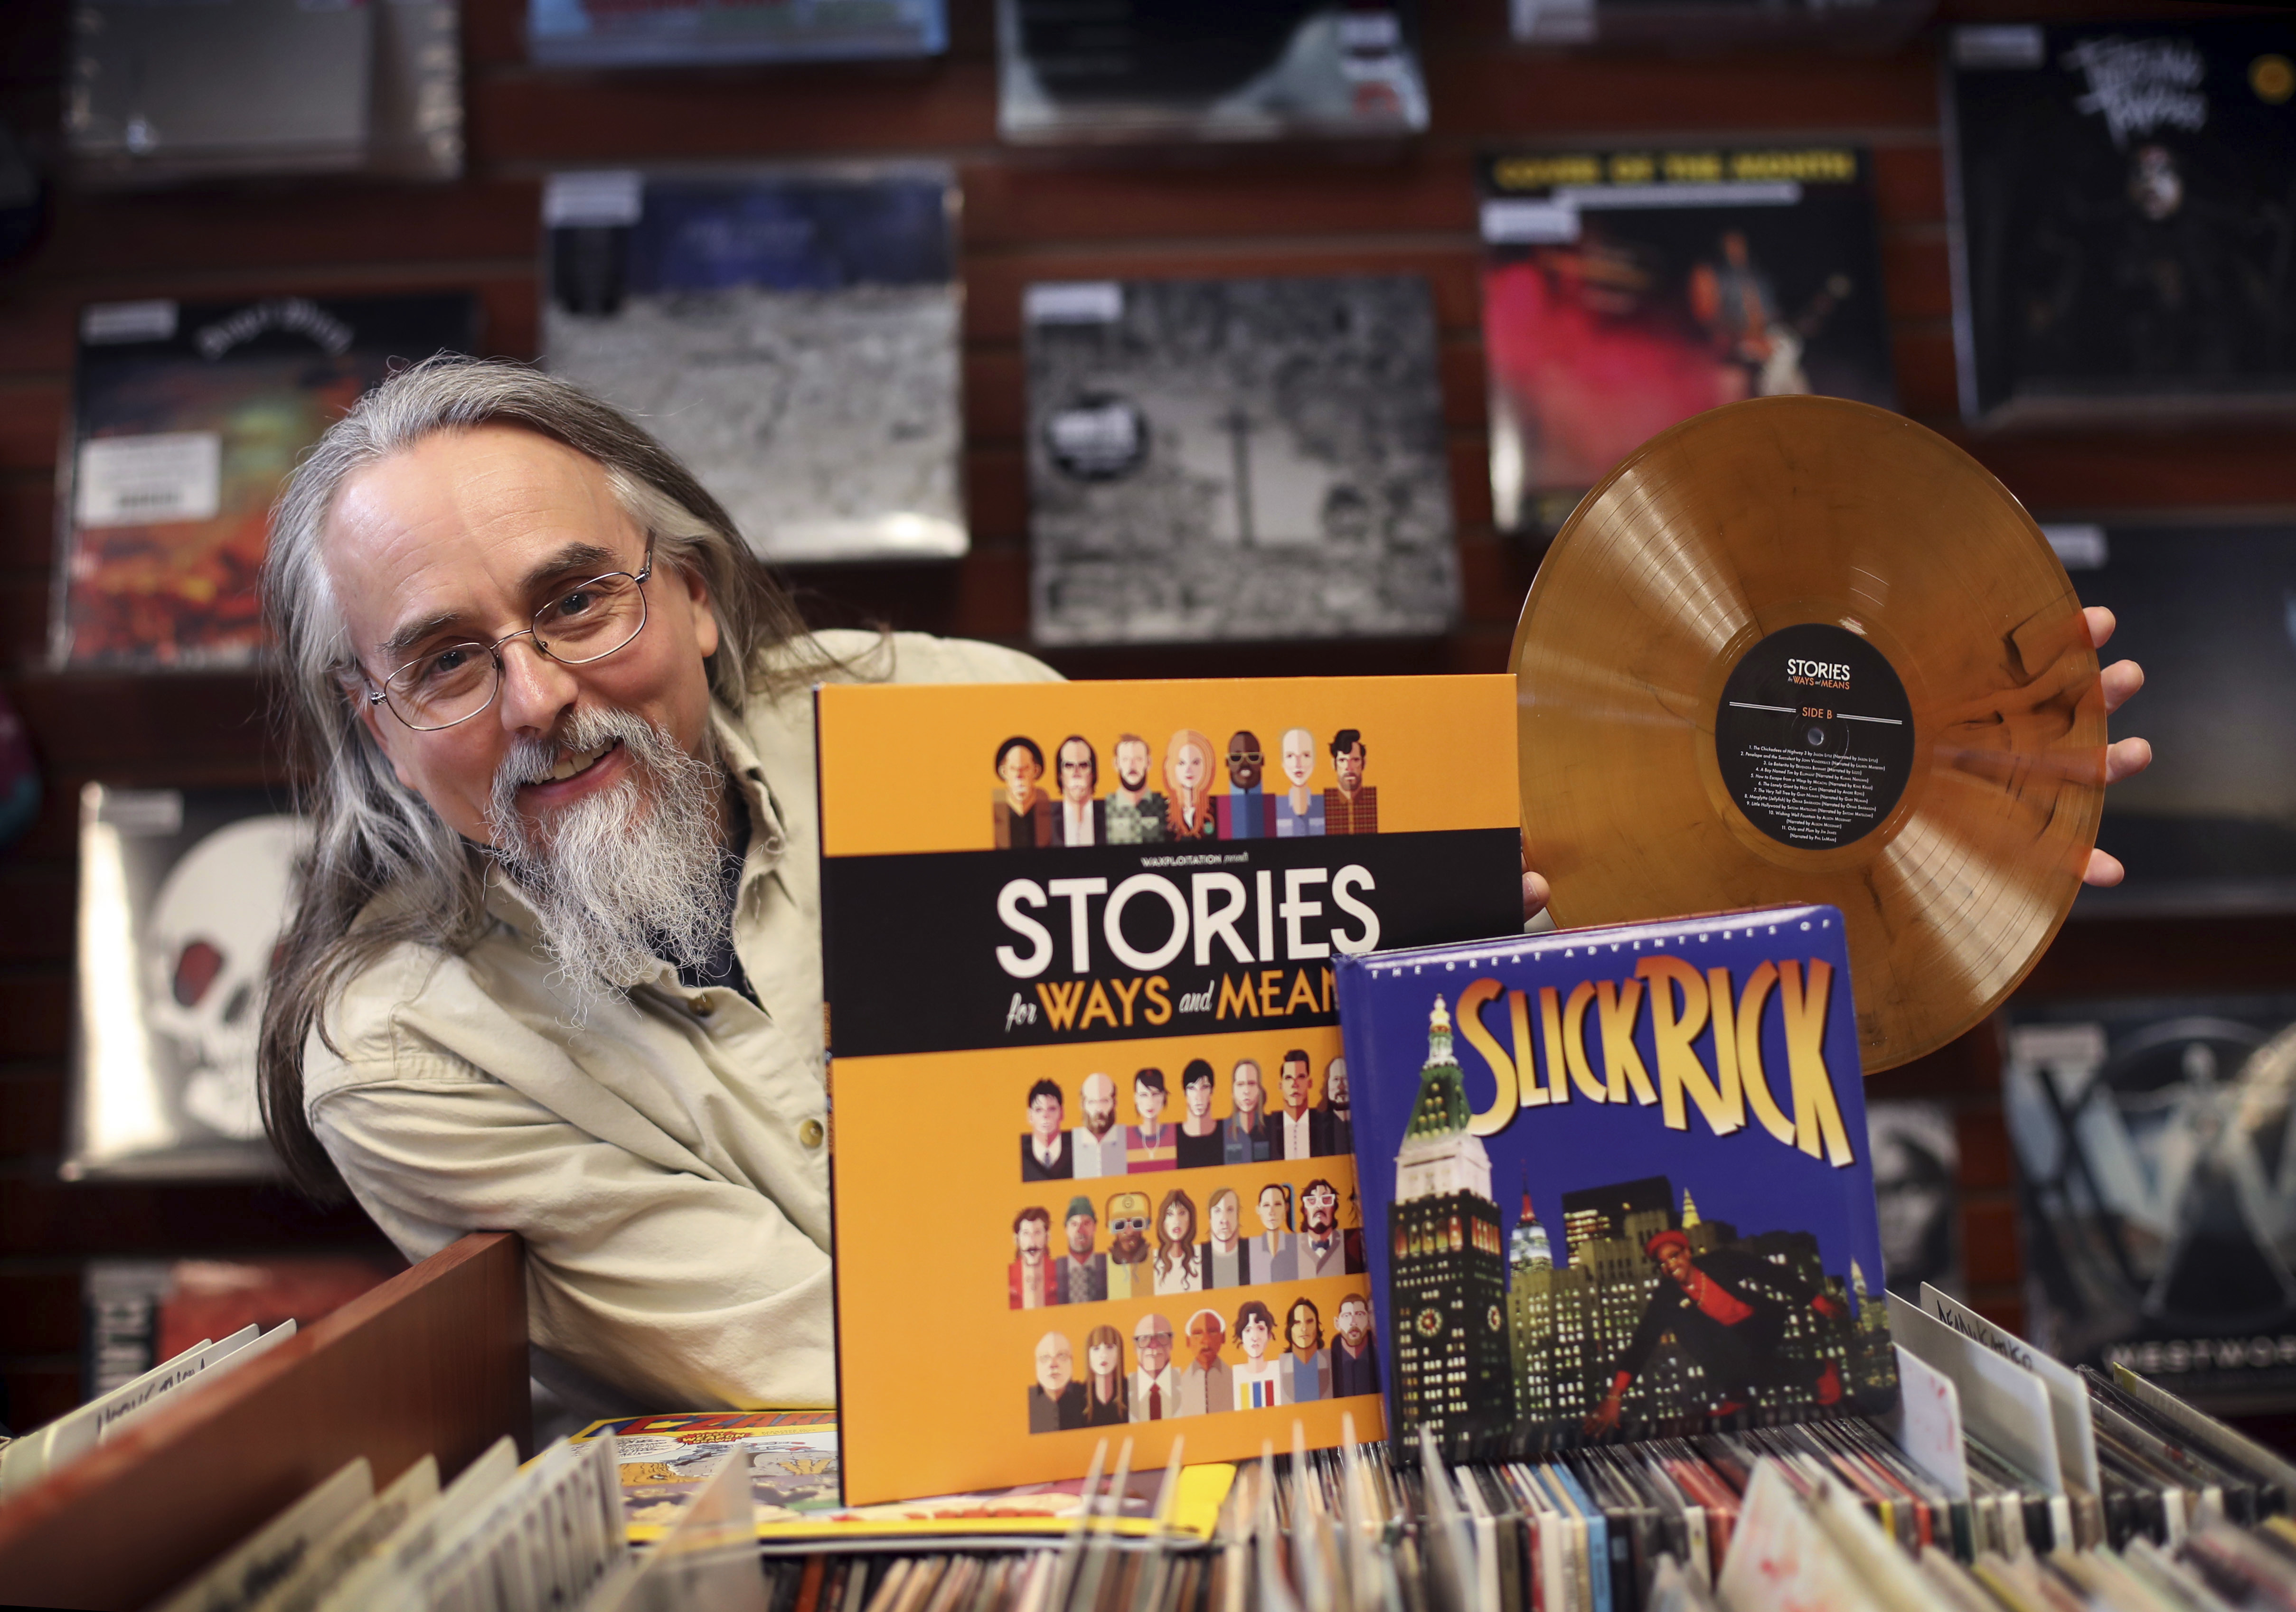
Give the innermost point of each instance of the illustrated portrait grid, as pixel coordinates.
(1275, 1100)
(1153, 789)
(1202, 1354)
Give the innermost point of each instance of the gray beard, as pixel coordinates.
(624, 877)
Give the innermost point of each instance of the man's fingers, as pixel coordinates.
(2118, 681)
(1534, 895)
(2104, 870)
(2127, 757)
(2100, 622)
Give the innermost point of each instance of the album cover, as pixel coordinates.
(1093, 1119)
(1618, 1182)
(1200, 70)
(1703, 25)
(2123, 200)
(233, 86)
(672, 33)
(1917, 1157)
(183, 894)
(1625, 290)
(2208, 611)
(2157, 1190)
(163, 92)
(142, 1312)
(792, 335)
(186, 418)
(1236, 459)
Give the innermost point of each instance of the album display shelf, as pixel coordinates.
(433, 1361)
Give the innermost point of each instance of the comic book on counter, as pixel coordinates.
(1091, 1115)
(186, 418)
(789, 333)
(792, 1461)
(1236, 459)
(1617, 1181)
(1625, 291)
(1199, 69)
(2124, 230)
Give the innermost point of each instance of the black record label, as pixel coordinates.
(1815, 736)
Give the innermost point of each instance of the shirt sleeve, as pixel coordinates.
(689, 1293)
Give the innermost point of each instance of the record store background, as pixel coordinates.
(1405, 207)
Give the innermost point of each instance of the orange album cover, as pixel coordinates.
(1094, 1168)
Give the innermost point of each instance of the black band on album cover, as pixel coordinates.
(1023, 951)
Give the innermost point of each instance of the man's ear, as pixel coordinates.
(705, 619)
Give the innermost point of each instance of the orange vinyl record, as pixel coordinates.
(1803, 649)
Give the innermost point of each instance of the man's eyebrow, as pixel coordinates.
(590, 559)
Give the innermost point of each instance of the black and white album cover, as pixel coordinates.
(1207, 70)
(1236, 459)
(791, 333)
(2209, 612)
(2157, 1179)
(183, 894)
(1916, 1177)
(2123, 200)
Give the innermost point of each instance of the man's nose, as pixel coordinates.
(537, 691)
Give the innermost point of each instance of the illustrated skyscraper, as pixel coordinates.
(1454, 1370)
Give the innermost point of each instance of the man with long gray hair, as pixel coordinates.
(555, 967)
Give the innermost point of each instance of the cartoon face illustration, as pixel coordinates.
(1148, 1098)
(1127, 1223)
(1179, 1218)
(1255, 1326)
(1020, 764)
(1354, 1321)
(1189, 764)
(1099, 1094)
(1298, 756)
(1246, 1089)
(1207, 1336)
(1082, 1229)
(1032, 1232)
(1226, 1213)
(1055, 1363)
(1298, 1082)
(1319, 1208)
(1335, 1084)
(1349, 755)
(1104, 1356)
(1245, 765)
(1198, 1091)
(1080, 770)
(1046, 1110)
(1274, 1208)
(1303, 1328)
(1151, 1343)
(1132, 764)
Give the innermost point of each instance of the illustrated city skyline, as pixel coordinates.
(1499, 1338)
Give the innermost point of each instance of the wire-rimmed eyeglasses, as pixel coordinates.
(455, 682)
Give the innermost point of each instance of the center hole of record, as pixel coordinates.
(1815, 736)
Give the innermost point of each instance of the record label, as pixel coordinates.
(1815, 736)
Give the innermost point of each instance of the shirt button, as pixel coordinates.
(810, 1132)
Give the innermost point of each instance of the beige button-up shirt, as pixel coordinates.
(667, 1161)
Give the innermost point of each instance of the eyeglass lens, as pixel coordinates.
(454, 683)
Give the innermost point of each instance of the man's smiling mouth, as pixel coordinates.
(572, 763)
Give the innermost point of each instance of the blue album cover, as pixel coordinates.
(1617, 1181)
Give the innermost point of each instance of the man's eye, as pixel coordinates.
(573, 606)
(444, 665)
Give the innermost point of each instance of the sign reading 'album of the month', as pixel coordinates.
(1092, 1118)
(1619, 1182)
